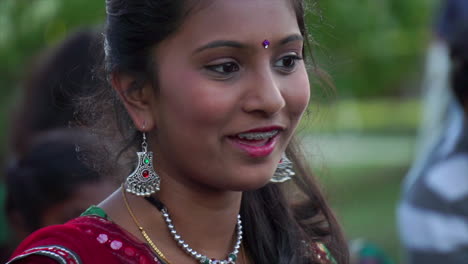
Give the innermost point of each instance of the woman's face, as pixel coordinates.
(227, 106)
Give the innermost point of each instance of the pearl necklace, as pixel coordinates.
(232, 257)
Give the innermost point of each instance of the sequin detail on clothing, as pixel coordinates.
(102, 238)
(117, 244)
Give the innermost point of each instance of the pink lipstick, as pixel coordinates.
(259, 142)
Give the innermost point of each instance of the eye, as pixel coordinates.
(224, 68)
(287, 63)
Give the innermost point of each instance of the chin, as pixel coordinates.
(249, 183)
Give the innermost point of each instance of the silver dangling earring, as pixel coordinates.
(143, 181)
(284, 171)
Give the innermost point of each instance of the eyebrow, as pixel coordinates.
(220, 43)
(238, 45)
(291, 38)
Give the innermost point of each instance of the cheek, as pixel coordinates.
(297, 95)
(195, 100)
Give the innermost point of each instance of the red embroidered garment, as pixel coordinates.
(94, 239)
(84, 240)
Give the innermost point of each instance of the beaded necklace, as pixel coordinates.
(232, 257)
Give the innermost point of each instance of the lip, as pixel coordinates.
(254, 150)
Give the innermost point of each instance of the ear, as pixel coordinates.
(138, 101)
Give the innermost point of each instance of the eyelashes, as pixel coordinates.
(224, 68)
(286, 64)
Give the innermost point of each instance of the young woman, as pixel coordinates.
(209, 94)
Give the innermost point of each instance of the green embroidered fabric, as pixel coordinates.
(95, 210)
(324, 254)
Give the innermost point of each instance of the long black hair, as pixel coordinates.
(278, 228)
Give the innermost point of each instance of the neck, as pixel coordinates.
(206, 222)
(205, 219)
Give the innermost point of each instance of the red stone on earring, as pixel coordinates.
(146, 174)
(266, 43)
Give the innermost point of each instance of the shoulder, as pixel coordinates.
(70, 243)
(52, 244)
(88, 239)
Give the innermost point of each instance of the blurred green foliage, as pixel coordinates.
(371, 47)
(27, 27)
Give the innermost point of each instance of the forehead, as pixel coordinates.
(243, 20)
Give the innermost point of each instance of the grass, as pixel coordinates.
(365, 201)
(383, 116)
(361, 151)
(362, 176)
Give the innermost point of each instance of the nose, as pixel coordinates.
(264, 95)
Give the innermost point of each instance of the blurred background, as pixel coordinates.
(360, 139)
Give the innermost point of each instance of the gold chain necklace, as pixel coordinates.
(142, 231)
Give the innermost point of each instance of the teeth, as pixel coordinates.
(258, 135)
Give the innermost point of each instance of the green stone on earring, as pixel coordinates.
(146, 161)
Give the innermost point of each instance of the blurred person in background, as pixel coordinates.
(45, 181)
(47, 96)
(50, 185)
(433, 214)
